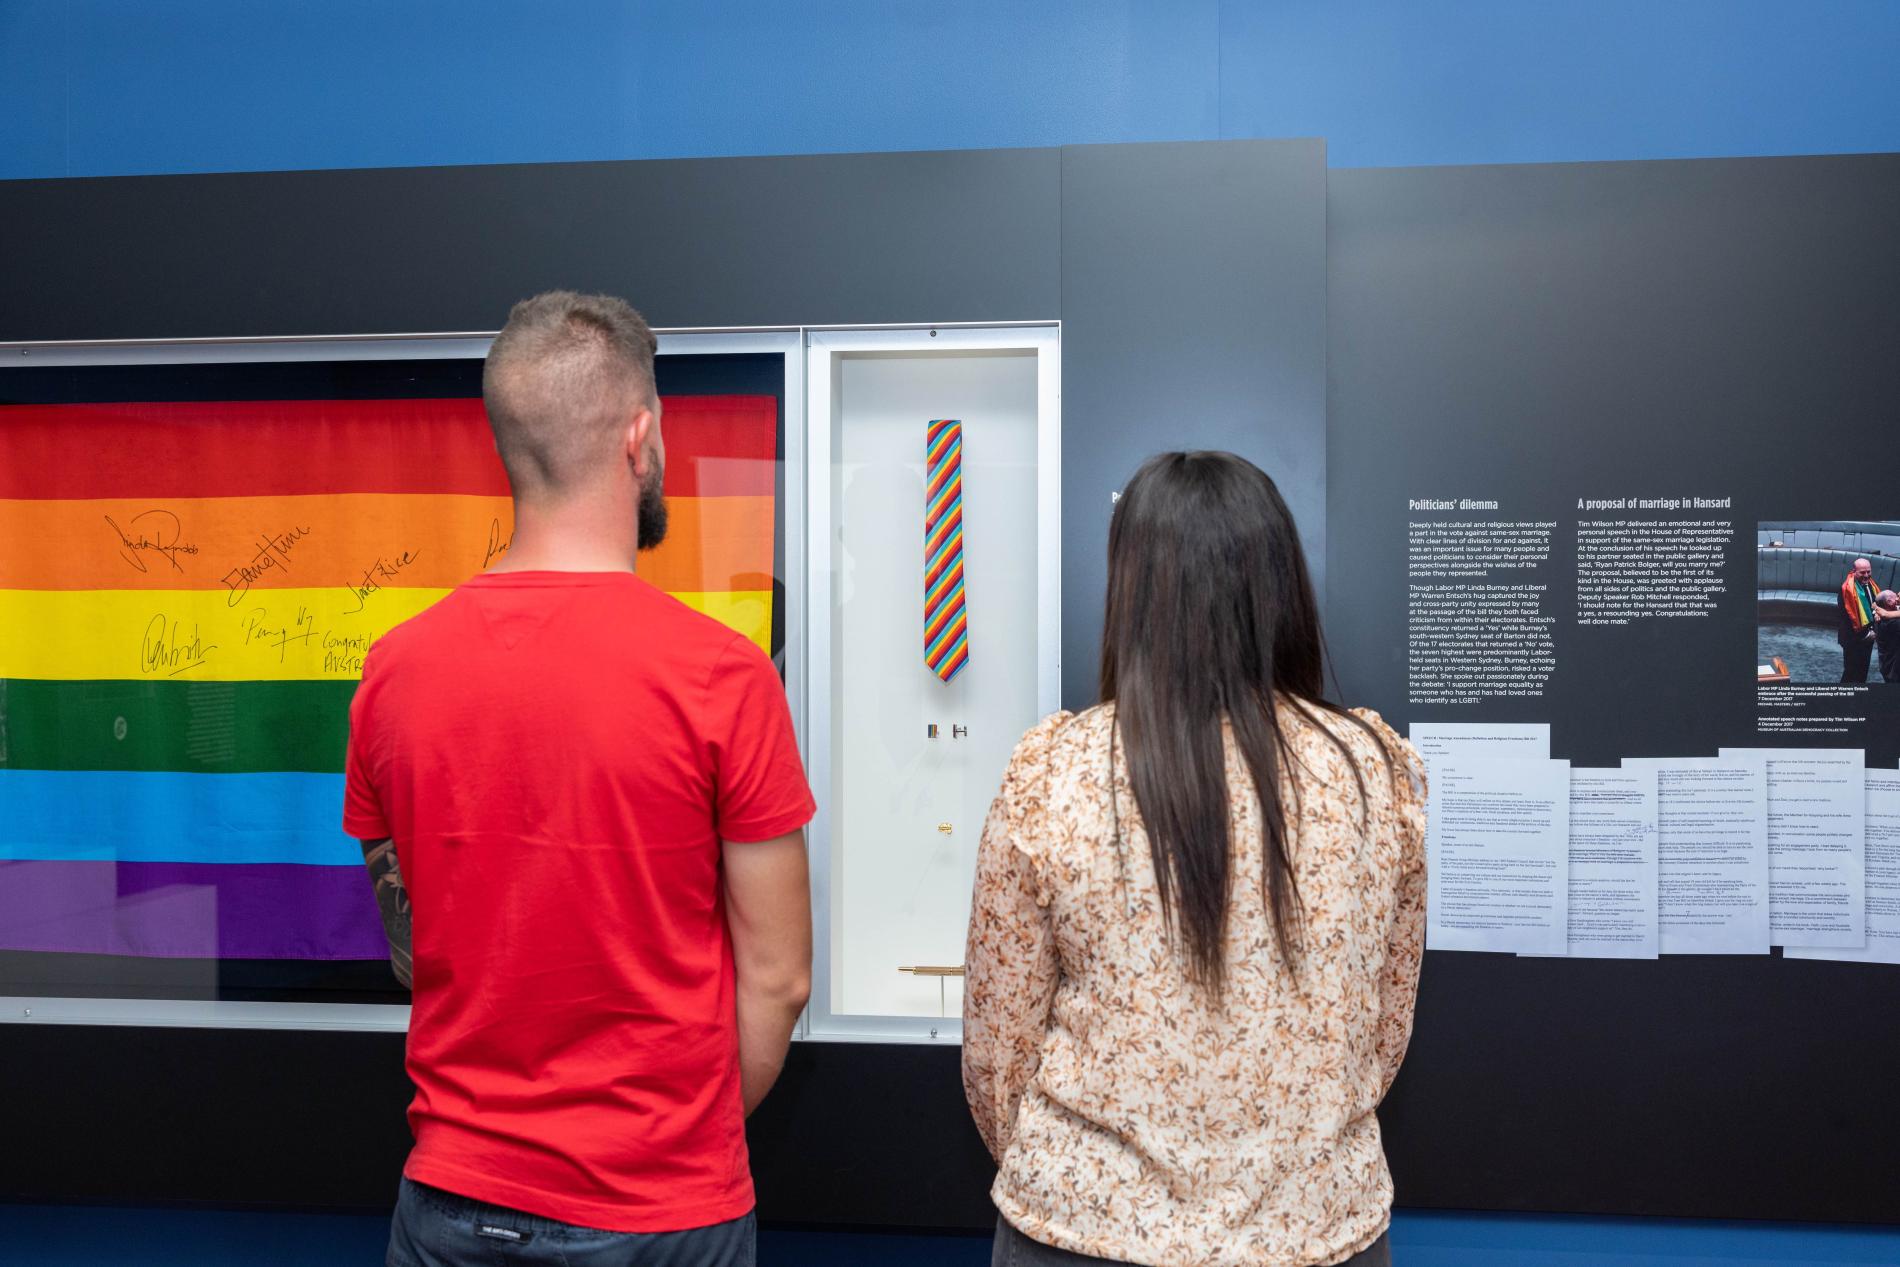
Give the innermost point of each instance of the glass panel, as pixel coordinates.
(916, 760)
(195, 559)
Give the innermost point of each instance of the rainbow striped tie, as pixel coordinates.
(946, 632)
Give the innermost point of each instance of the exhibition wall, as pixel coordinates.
(1532, 340)
(1180, 316)
(1525, 335)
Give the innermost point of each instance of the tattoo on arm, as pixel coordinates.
(393, 900)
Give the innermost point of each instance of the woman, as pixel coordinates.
(1185, 997)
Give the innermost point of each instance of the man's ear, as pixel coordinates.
(639, 427)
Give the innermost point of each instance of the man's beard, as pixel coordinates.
(652, 511)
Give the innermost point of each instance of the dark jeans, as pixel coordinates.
(433, 1228)
(1013, 1249)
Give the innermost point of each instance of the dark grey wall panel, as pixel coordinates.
(952, 236)
(1195, 316)
(1193, 301)
(852, 1133)
(1542, 333)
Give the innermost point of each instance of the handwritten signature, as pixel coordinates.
(301, 631)
(163, 652)
(496, 546)
(375, 575)
(157, 531)
(273, 551)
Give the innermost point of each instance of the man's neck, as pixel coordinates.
(575, 537)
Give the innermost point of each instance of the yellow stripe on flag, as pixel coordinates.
(195, 635)
(286, 635)
(747, 611)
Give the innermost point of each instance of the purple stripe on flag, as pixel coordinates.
(191, 910)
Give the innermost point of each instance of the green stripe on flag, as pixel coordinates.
(189, 727)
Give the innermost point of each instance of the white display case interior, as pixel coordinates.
(906, 764)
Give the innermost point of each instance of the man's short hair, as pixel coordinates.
(560, 382)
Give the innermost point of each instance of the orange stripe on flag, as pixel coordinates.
(241, 544)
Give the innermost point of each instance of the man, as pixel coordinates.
(1887, 634)
(1856, 634)
(583, 808)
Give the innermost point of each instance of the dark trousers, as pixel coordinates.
(1857, 652)
(1889, 647)
(433, 1228)
(1013, 1249)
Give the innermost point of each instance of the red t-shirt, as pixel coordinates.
(558, 757)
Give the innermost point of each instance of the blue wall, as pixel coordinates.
(118, 87)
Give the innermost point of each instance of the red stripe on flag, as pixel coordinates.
(715, 446)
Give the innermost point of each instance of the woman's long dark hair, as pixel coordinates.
(1211, 616)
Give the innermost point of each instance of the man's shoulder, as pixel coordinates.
(417, 631)
(687, 633)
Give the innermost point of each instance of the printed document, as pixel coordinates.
(1498, 855)
(1712, 854)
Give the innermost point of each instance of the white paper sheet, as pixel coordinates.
(1882, 876)
(1817, 879)
(1498, 855)
(1613, 866)
(1438, 740)
(1712, 854)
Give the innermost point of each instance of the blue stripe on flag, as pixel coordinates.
(126, 816)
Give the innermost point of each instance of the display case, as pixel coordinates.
(202, 539)
(934, 572)
(878, 508)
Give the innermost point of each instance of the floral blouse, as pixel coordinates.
(1132, 1118)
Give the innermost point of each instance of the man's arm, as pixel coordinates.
(393, 901)
(768, 908)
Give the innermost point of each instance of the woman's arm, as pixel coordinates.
(1007, 993)
(1011, 962)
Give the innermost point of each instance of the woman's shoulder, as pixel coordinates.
(1058, 748)
(1362, 731)
(1053, 738)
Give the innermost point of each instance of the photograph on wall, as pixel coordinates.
(1828, 601)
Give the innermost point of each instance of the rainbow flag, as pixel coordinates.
(187, 592)
(1857, 600)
